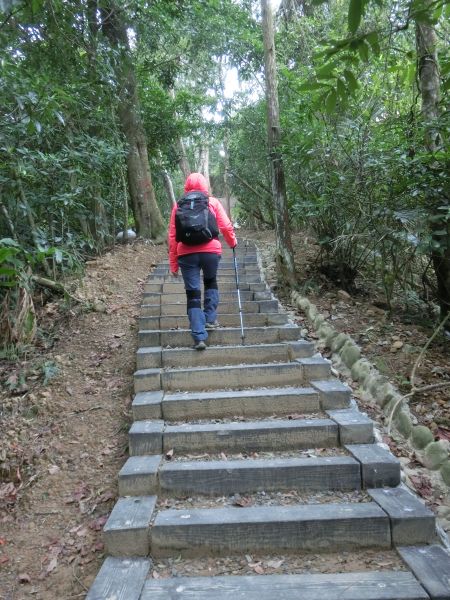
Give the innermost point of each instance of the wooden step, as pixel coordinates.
(226, 320)
(294, 373)
(366, 585)
(411, 521)
(150, 475)
(126, 530)
(120, 579)
(246, 403)
(251, 436)
(225, 296)
(226, 275)
(148, 358)
(306, 528)
(179, 309)
(223, 477)
(431, 566)
(168, 288)
(229, 336)
(152, 437)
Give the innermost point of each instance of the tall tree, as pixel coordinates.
(285, 254)
(146, 212)
(429, 82)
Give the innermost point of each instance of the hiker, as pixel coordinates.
(196, 248)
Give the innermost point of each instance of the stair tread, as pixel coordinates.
(275, 391)
(368, 585)
(260, 515)
(252, 424)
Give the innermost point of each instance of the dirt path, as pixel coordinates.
(64, 445)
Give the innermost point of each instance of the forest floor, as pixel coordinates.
(65, 412)
(64, 423)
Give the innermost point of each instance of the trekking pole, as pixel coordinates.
(239, 296)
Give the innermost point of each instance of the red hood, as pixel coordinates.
(197, 182)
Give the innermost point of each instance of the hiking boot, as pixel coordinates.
(200, 345)
(214, 325)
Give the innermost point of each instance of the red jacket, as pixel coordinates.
(196, 182)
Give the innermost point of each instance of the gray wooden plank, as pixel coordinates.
(240, 476)
(233, 377)
(379, 467)
(411, 521)
(333, 394)
(367, 585)
(313, 527)
(139, 476)
(354, 426)
(126, 530)
(245, 403)
(315, 367)
(145, 437)
(120, 579)
(431, 566)
(252, 436)
(147, 405)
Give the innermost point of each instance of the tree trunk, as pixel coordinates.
(167, 184)
(203, 163)
(183, 159)
(148, 218)
(181, 150)
(428, 77)
(285, 254)
(226, 175)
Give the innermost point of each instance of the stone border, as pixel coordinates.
(434, 455)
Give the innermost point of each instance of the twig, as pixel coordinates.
(77, 579)
(55, 286)
(82, 410)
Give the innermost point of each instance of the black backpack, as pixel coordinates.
(194, 222)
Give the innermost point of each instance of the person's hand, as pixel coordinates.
(235, 246)
(175, 273)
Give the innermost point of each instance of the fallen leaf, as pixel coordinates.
(98, 523)
(24, 578)
(51, 565)
(443, 433)
(274, 564)
(98, 547)
(4, 559)
(242, 502)
(169, 454)
(155, 575)
(107, 496)
(422, 484)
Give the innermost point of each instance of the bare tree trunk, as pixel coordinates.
(181, 150)
(226, 175)
(203, 163)
(183, 159)
(125, 207)
(285, 254)
(8, 219)
(167, 183)
(428, 77)
(149, 222)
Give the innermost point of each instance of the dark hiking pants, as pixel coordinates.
(191, 265)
